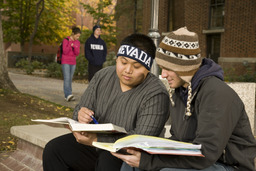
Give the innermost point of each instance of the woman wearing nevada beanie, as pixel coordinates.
(205, 111)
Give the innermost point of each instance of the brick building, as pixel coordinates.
(226, 28)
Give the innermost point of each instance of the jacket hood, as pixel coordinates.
(207, 68)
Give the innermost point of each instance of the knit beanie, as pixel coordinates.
(179, 51)
(95, 27)
(136, 54)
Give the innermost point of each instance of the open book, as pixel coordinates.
(76, 126)
(152, 145)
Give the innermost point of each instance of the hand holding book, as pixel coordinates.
(76, 126)
(152, 145)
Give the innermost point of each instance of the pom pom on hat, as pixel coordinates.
(95, 27)
(179, 51)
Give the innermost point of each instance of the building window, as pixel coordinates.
(170, 16)
(216, 14)
(139, 16)
(213, 47)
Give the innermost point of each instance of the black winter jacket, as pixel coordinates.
(219, 122)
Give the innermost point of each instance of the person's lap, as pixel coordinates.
(65, 153)
(107, 161)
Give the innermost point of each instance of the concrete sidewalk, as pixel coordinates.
(46, 88)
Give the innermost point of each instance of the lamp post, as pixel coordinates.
(153, 31)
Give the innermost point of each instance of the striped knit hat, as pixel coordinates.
(179, 51)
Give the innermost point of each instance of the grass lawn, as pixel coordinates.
(19, 109)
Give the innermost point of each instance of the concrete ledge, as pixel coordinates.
(235, 59)
(31, 142)
(213, 31)
(246, 91)
(37, 134)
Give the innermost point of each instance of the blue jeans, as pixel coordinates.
(68, 72)
(215, 167)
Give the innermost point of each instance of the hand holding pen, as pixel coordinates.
(85, 115)
(94, 120)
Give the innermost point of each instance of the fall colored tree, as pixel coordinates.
(103, 15)
(37, 21)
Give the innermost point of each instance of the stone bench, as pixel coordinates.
(33, 138)
(246, 91)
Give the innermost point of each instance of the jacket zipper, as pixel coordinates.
(185, 117)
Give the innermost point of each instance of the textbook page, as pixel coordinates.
(62, 120)
(76, 126)
(152, 145)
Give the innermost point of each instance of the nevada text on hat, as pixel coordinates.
(136, 54)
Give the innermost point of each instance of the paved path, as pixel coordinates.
(46, 88)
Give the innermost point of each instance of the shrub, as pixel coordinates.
(54, 70)
(21, 63)
(29, 67)
(38, 65)
(81, 71)
(111, 59)
(248, 76)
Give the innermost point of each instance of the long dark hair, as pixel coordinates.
(76, 30)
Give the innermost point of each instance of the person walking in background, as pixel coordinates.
(95, 51)
(71, 49)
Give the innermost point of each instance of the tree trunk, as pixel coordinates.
(5, 81)
(38, 14)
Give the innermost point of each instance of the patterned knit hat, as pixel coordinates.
(179, 51)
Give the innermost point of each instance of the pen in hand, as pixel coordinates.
(94, 120)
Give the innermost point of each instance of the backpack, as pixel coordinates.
(59, 53)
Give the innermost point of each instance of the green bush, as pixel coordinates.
(81, 71)
(111, 59)
(38, 65)
(248, 76)
(21, 63)
(54, 70)
(29, 67)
